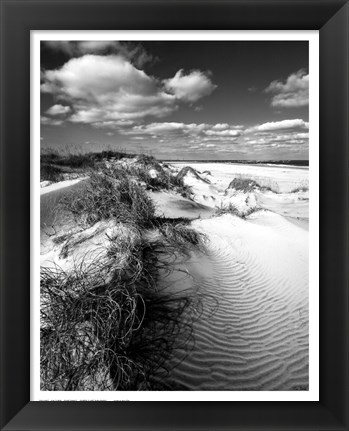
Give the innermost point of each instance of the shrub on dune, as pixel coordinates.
(300, 189)
(243, 184)
(234, 210)
(85, 160)
(107, 197)
(146, 159)
(181, 236)
(143, 168)
(247, 184)
(155, 177)
(50, 173)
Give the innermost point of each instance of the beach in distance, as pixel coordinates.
(174, 218)
(256, 273)
(174, 275)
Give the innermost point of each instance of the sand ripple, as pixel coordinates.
(253, 333)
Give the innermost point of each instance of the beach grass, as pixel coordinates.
(245, 183)
(234, 210)
(109, 324)
(109, 328)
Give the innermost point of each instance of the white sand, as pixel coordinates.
(47, 187)
(171, 205)
(286, 177)
(253, 333)
(281, 179)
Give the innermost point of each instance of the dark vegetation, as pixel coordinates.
(113, 193)
(110, 197)
(53, 165)
(244, 184)
(155, 177)
(50, 173)
(112, 325)
(145, 169)
(86, 160)
(112, 329)
(232, 209)
(300, 189)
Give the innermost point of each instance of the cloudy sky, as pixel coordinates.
(177, 100)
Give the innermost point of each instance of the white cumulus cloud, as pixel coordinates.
(292, 93)
(104, 90)
(183, 129)
(46, 121)
(58, 110)
(233, 133)
(107, 88)
(280, 125)
(129, 50)
(190, 87)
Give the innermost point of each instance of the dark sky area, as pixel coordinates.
(177, 100)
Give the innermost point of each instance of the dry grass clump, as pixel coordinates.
(53, 164)
(244, 184)
(86, 160)
(146, 159)
(108, 326)
(247, 184)
(181, 236)
(234, 210)
(148, 170)
(50, 173)
(300, 189)
(145, 168)
(109, 196)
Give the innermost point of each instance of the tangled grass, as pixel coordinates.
(111, 327)
(110, 324)
(145, 169)
(300, 189)
(110, 197)
(50, 173)
(234, 210)
(244, 183)
(86, 160)
(155, 177)
(179, 235)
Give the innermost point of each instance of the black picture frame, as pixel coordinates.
(18, 18)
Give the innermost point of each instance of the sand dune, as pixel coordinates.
(252, 330)
(253, 334)
(170, 204)
(286, 177)
(47, 187)
(282, 180)
(253, 281)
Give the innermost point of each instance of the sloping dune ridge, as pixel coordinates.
(253, 331)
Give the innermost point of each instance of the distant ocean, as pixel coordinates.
(246, 162)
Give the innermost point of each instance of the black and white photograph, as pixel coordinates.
(174, 215)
